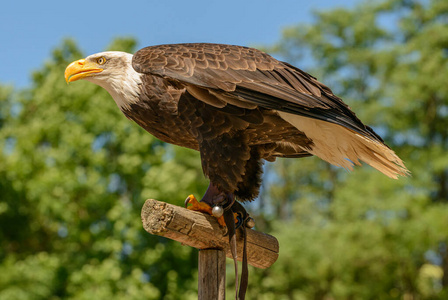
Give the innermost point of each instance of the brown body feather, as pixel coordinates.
(238, 105)
(232, 140)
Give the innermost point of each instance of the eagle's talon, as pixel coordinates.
(205, 208)
(187, 201)
(221, 221)
(197, 206)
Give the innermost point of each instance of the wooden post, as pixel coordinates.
(212, 274)
(203, 232)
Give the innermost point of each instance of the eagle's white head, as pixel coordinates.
(113, 71)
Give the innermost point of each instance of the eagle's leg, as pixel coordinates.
(212, 198)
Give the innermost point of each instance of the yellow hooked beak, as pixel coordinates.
(80, 69)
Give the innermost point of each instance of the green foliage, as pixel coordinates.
(362, 235)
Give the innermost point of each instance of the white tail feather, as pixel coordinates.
(343, 147)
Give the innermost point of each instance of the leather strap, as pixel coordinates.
(245, 272)
(229, 218)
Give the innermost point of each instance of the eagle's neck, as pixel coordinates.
(123, 86)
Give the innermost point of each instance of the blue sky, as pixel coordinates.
(29, 30)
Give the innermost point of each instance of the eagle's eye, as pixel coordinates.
(101, 60)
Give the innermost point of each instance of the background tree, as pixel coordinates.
(361, 235)
(73, 178)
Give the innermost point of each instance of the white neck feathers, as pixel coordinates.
(121, 82)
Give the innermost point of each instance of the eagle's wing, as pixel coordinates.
(222, 74)
(248, 75)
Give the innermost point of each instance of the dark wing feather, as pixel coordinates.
(248, 75)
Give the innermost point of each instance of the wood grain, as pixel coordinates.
(202, 231)
(212, 274)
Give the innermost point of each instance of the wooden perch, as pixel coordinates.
(202, 231)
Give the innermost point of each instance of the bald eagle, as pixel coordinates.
(237, 106)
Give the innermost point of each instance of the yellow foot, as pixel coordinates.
(204, 207)
(198, 206)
